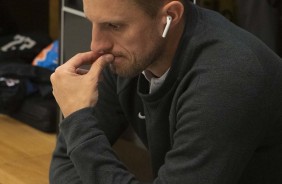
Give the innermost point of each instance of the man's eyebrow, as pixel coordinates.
(89, 19)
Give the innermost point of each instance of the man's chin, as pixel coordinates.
(122, 72)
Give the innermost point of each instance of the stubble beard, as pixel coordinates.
(132, 68)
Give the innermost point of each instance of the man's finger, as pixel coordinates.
(82, 59)
(99, 65)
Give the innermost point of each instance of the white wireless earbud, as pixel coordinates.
(168, 22)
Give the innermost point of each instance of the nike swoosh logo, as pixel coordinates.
(141, 116)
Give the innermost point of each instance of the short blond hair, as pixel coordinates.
(151, 7)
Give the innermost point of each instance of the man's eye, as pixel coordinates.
(114, 26)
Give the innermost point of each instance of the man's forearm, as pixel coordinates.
(62, 170)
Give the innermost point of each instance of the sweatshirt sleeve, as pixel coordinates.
(62, 169)
(90, 151)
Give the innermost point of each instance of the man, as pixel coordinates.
(205, 99)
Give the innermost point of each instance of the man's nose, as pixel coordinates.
(101, 42)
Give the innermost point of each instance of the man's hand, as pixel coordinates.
(74, 88)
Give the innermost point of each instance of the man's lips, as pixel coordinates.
(118, 56)
(117, 59)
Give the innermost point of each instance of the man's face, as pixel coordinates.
(123, 29)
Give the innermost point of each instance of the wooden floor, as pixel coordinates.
(25, 153)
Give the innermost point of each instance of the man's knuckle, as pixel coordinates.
(78, 55)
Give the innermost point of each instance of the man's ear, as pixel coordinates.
(175, 9)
